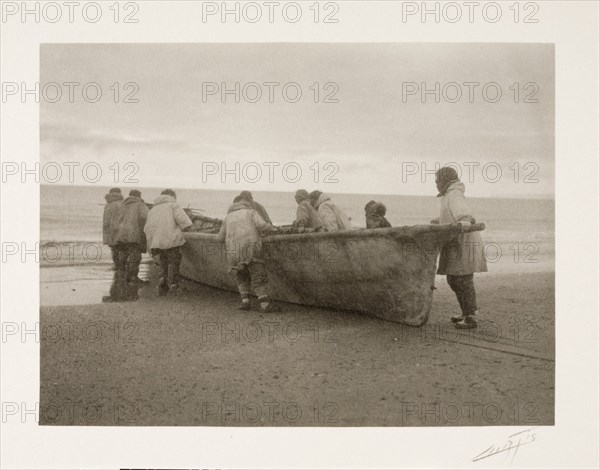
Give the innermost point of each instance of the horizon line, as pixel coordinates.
(537, 197)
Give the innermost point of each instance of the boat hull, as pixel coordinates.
(388, 273)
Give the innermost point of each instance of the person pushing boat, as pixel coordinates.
(164, 227)
(333, 216)
(246, 196)
(306, 215)
(463, 256)
(375, 215)
(129, 236)
(113, 199)
(241, 231)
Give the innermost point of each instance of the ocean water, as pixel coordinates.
(519, 233)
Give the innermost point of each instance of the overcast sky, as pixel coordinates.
(373, 138)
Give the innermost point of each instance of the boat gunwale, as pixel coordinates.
(406, 230)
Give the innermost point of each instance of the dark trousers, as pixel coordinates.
(170, 260)
(113, 253)
(121, 291)
(128, 259)
(255, 275)
(464, 289)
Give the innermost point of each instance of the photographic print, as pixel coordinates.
(311, 234)
(297, 234)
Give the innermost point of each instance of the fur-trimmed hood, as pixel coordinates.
(164, 199)
(132, 200)
(451, 186)
(113, 197)
(377, 209)
(238, 206)
(322, 198)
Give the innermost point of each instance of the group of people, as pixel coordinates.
(318, 212)
(247, 222)
(131, 228)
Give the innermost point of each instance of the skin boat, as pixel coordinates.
(386, 272)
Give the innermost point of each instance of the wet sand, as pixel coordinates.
(196, 360)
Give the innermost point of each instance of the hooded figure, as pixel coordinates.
(129, 237)
(242, 231)
(258, 207)
(164, 227)
(131, 220)
(166, 221)
(306, 214)
(113, 201)
(375, 215)
(463, 256)
(333, 217)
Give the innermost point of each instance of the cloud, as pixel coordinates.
(369, 133)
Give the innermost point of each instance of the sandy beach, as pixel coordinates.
(196, 360)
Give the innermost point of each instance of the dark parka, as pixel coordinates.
(131, 219)
(375, 215)
(113, 202)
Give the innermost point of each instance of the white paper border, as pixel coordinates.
(572, 443)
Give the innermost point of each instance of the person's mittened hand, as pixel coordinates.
(465, 223)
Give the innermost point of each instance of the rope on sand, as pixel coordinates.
(514, 353)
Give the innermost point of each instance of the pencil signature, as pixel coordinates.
(511, 446)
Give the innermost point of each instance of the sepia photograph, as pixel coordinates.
(297, 234)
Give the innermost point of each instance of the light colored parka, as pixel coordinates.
(109, 219)
(131, 219)
(258, 207)
(307, 216)
(333, 217)
(241, 231)
(165, 223)
(465, 255)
